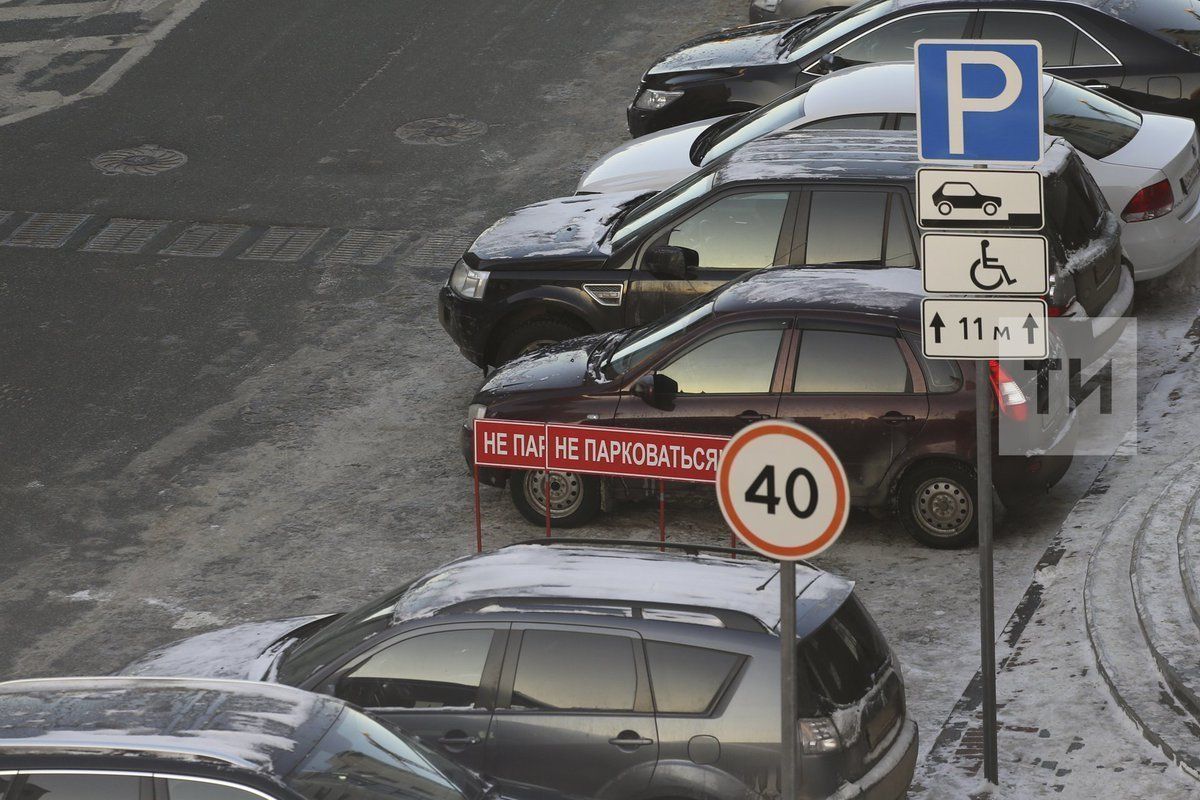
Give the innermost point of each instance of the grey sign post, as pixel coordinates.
(963, 118)
(804, 520)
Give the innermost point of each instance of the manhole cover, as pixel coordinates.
(448, 130)
(148, 159)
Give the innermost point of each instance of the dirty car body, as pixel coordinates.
(600, 671)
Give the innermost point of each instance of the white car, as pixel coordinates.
(1146, 164)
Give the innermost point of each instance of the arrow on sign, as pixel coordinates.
(937, 325)
(1030, 326)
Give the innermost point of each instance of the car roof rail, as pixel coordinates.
(685, 547)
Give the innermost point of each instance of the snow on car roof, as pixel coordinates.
(256, 726)
(843, 155)
(894, 292)
(614, 574)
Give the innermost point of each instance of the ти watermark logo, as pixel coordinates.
(1080, 401)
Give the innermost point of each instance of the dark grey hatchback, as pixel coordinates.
(604, 670)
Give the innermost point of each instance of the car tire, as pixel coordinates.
(990, 209)
(938, 505)
(574, 498)
(944, 208)
(533, 334)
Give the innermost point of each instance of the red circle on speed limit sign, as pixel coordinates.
(782, 490)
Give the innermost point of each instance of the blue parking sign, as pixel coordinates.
(979, 101)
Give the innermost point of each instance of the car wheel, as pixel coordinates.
(531, 335)
(574, 498)
(937, 504)
(990, 209)
(944, 208)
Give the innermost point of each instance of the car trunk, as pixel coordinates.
(850, 676)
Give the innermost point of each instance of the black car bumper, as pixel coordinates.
(464, 321)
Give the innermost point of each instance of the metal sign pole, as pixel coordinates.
(987, 613)
(787, 669)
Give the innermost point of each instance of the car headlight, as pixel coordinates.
(468, 283)
(655, 99)
(475, 411)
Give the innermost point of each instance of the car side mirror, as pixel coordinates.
(670, 263)
(656, 390)
(830, 63)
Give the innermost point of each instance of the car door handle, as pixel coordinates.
(458, 739)
(630, 739)
(750, 415)
(1093, 84)
(895, 418)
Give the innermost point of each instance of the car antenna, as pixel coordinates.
(768, 580)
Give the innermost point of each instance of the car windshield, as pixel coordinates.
(1091, 122)
(301, 661)
(662, 204)
(642, 342)
(359, 758)
(829, 30)
(787, 108)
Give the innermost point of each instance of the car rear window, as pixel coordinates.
(1073, 209)
(1091, 122)
(840, 660)
(686, 679)
(1175, 22)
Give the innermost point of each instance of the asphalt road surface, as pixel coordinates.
(224, 394)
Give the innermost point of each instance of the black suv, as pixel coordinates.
(563, 268)
(601, 670)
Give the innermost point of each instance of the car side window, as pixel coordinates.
(685, 679)
(942, 376)
(895, 40)
(65, 786)
(854, 227)
(1063, 45)
(850, 122)
(431, 671)
(739, 361)
(736, 232)
(843, 362)
(187, 789)
(574, 671)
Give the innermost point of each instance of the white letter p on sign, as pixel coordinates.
(959, 105)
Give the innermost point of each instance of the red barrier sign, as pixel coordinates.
(624, 452)
(634, 453)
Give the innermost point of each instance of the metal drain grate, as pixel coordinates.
(46, 230)
(205, 240)
(439, 250)
(128, 236)
(284, 244)
(365, 247)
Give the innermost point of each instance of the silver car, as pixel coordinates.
(609, 671)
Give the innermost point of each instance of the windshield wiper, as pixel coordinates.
(786, 41)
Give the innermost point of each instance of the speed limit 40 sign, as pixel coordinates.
(782, 490)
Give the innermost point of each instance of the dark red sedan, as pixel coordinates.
(835, 349)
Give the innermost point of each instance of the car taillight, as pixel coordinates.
(817, 736)
(1150, 202)
(1012, 400)
(1053, 310)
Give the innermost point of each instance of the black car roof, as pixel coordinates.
(258, 727)
(833, 155)
(893, 293)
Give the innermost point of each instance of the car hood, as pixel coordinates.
(564, 365)
(565, 230)
(648, 163)
(247, 652)
(745, 46)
